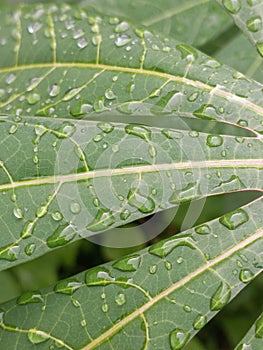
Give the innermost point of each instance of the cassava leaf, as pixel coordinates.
(248, 16)
(173, 288)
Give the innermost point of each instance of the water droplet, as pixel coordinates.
(152, 151)
(28, 229)
(187, 308)
(214, 140)
(75, 207)
(203, 229)
(244, 346)
(178, 339)
(82, 43)
(153, 269)
(68, 286)
(122, 40)
(106, 127)
(18, 213)
(259, 327)
(193, 133)
(99, 104)
(139, 131)
(163, 248)
(35, 336)
(232, 6)
(103, 220)
(143, 204)
(205, 112)
(193, 97)
(30, 248)
(121, 27)
(30, 297)
(41, 210)
(187, 52)
(180, 260)
(234, 219)
(67, 130)
(221, 297)
(57, 216)
(54, 90)
(246, 275)
(130, 263)
(200, 322)
(75, 302)
(10, 78)
(125, 214)
(114, 20)
(13, 129)
(185, 194)
(168, 265)
(120, 299)
(98, 276)
(33, 98)
(105, 307)
(63, 234)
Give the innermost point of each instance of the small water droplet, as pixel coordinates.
(30, 297)
(168, 265)
(200, 322)
(163, 248)
(120, 299)
(57, 216)
(13, 129)
(35, 336)
(98, 276)
(221, 297)
(153, 269)
(234, 219)
(103, 220)
(139, 131)
(68, 286)
(130, 263)
(33, 98)
(203, 229)
(214, 140)
(193, 97)
(246, 275)
(53, 90)
(142, 203)
(187, 308)
(122, 40)
(75, 302)
(18, 213)
(30, 248)
(83, 323)
(125, 214)
(82, 43)
(28, 229)
(178, 339)
(10, 78)
(106, 127)
(41, 210)
(180, 260)
(105, 307)
(67, 130)
(152, 151)
(205, 112)
(63, 234)
(193, 133)
(75, 207)
(232, 6)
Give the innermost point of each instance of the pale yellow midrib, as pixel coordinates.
(232, 163)
(195, 83)
(209, 265)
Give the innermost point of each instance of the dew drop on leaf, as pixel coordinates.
(98, 276)
(221, 297)
(68, 286)
(214, 140)
(35, 336)
(120, 299)
(200, 322)
(106, 127)
(187, 308)
(139, 131)
(30, 297)
(121, 27)
(153, 269)
(57, 216)
(246, 275)
(232, 6)
(178, 339)
(75, 207)
(130, 263)
(18, 213)
(82, 43)
(163, 248)
(30, 248)
(10, 252)
(53, 90)
(103, 220)
(168, 265)
(234, 219)
(13, 129)
(27, 229)
(122, 40)
(143, 203)
(41, 211)
(105, 307)
(63, 234)
(125, 214)
(33, 98)
(203, 229)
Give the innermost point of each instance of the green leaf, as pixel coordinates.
(129, 303)
(194, 22)
(248, 16)
(253, 338)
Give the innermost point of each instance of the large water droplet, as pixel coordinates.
(10, 252)
(63, 234)
(82, 43)
(254, 24)
(68, 286)
(203, 229)
(41, 210)
(142, 203)
(246, 275)
(121, 27)
(139, 131)
(200, 322)
(28, 229)
(103, 220)
(178, 339)
(30, 297)
(67, 129)
(163, 248)
(221, 297)
(98, 276)
(54, 90)
(120, 299)
(33, 98)
(214, 140)
(130, 263)
(35, 336)
(30, 248)
(234, 219)
(75, 207)
(57, 216)
(18, 213)
(232, 6)
(106, 127)
(122, 40)
(125, 214)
